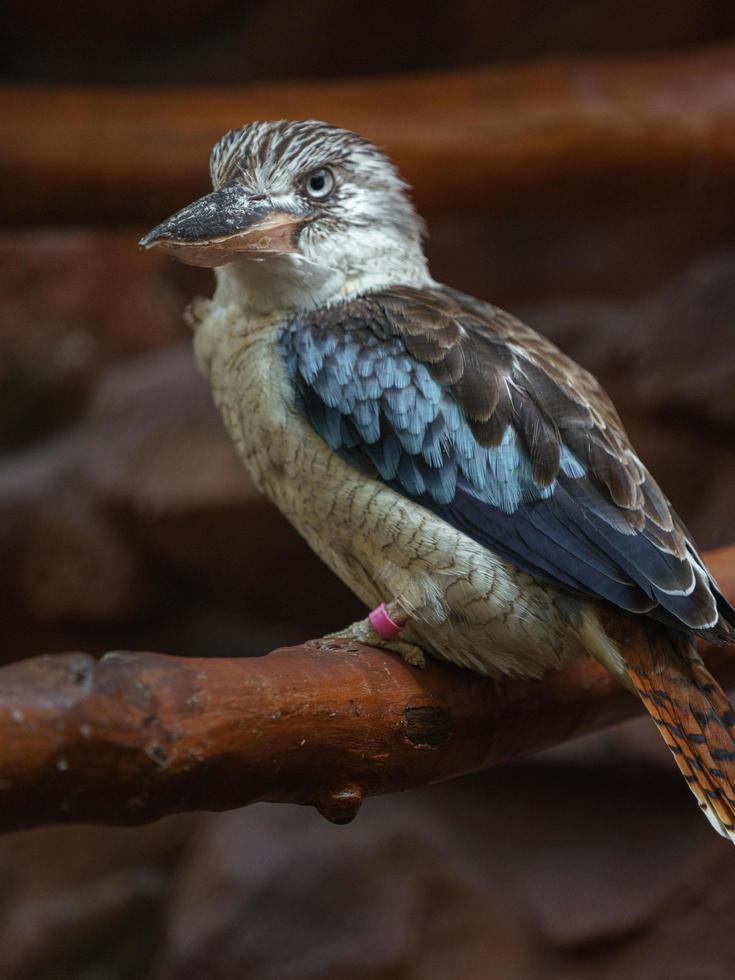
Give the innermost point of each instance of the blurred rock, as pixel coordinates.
(682, 344)
(535, 870)
(99, 524)
(560, 253)
(281, 895)
(74, 896)
(72, 302)
(673, 350)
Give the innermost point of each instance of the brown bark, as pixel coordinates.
(138, 735)
(506, 137)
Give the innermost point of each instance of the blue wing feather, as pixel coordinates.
(385, 411)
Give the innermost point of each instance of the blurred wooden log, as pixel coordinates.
(135, 736)
(502, 138)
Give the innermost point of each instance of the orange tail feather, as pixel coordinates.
(695, 718)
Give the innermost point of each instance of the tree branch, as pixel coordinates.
(519, 135)
(136, 736)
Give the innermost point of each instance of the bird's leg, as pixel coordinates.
(381, 629)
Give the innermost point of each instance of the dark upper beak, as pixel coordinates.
(228, 222)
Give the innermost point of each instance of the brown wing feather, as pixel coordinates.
(504, 374)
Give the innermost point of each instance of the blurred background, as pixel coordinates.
(576, 163)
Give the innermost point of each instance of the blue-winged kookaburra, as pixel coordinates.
(460, 474)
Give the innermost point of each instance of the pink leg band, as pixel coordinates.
(383, 624)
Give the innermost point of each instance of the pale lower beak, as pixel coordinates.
(224, 224)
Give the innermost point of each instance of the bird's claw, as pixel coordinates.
(363, 632)
(412, 654)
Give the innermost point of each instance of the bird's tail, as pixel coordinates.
(691, 711)
(697, 723)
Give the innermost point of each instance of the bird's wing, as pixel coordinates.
(463, 409)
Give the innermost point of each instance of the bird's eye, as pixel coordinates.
(320, 183)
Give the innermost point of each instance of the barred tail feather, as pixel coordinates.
(696, 720)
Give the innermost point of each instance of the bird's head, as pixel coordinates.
(301, 213)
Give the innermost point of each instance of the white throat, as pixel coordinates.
(289, 283)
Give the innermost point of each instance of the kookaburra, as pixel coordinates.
(466, 479)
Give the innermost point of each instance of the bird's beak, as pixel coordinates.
(224, 224)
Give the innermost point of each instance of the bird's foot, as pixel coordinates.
(411, 653)
(363, 632)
